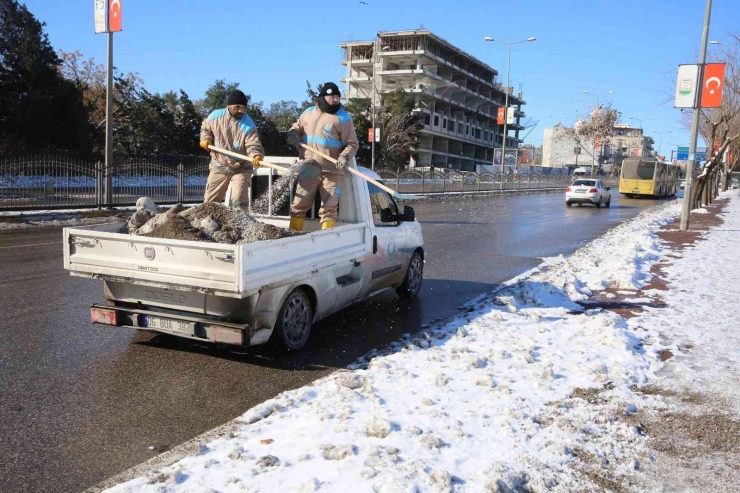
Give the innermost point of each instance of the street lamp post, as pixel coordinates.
(506, 103)
(660, 144)
(593, 148)
(372, 106)
(640, 120)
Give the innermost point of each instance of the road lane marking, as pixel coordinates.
(32, 245)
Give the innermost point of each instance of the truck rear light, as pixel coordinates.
(593, 190)
(103, 316)
(228, 335)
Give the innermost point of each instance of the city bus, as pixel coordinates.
(647, 176)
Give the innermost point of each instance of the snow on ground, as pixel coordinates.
(524, 391)
(698, 429)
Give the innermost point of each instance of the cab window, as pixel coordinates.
(385, 210)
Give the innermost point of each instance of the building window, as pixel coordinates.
(427, 119)
(467, 129)
(485, 135)
(477, 133)
(460, 128)
(436, 121)
(444, 123)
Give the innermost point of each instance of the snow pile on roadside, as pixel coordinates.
(519, 393)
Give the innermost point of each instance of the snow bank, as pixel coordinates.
(523, 391)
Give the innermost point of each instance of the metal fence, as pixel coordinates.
(42, 181)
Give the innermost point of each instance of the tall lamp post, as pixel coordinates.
(372, 105)
(506, 103)
(593, 154)
(660, 142)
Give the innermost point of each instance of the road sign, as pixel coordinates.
(711, 92)
(686, 86)
(682, 154)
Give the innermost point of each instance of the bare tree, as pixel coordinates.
(720, 129)
(597, 124)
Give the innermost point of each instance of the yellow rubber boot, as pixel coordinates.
(296, 223)
(328, 224)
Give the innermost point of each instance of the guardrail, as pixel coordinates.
(446, 181)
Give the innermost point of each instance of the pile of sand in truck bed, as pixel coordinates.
(212, 222)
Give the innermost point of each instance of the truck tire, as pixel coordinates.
(294, 322)
(411, 285)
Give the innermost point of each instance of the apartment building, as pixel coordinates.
(455, 94)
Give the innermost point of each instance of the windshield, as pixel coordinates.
(638, 170)
(584, 183)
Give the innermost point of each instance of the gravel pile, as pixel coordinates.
(282, 186)
(212, 222)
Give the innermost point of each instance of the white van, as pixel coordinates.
(581, 171)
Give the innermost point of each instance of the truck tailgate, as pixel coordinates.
(101, 252)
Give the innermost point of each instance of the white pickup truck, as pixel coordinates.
(250, 294)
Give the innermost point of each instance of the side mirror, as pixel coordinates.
(408, 214)
(608, 188)
(386, 216)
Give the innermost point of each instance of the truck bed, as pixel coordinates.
(235, 271)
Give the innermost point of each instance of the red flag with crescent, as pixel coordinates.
(501, 115)
(714, 81)
(114, 15)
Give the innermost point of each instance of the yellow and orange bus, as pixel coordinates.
(646, 176)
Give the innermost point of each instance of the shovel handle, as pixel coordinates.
(352, 170)
(239, 156)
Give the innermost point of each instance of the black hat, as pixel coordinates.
(329, 89)
(236, 97)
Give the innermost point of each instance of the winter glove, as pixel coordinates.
(343, 162)
(204, 144)
(294, 140)
(256, 161)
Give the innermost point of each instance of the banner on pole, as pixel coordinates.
(108, 16)
(686, 86)
(101, 16)
(114, 16)
(714, 80)
(510, 115)
(501, 115)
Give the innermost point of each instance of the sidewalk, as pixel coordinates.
(535, 387)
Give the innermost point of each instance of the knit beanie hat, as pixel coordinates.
(329, 89)
(236, 97)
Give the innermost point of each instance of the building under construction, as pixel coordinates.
(456, 95)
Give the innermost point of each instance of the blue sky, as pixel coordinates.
(271, 48)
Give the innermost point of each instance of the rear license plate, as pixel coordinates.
(175, 327)
(580, 190)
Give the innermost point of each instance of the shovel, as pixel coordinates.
(306, 171)
(403, 196)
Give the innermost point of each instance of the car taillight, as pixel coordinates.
(593, 190)
(568, 189)
(103, 316)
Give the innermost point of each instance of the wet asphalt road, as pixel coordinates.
(81, 402)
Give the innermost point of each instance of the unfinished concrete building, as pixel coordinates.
(456, 95)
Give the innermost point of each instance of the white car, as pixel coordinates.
(588, 191)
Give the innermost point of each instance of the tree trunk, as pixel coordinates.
(695, 192)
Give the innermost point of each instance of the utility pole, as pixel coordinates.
(109, 125)
(506, 102)
(686, 209)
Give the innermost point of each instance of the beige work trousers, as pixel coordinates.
(328, 185)
(218, 183)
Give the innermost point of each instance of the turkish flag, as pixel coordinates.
(501, 116)
(712, 85)
(114, 15)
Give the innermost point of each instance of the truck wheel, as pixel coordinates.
(411, 285)
(294, 322)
